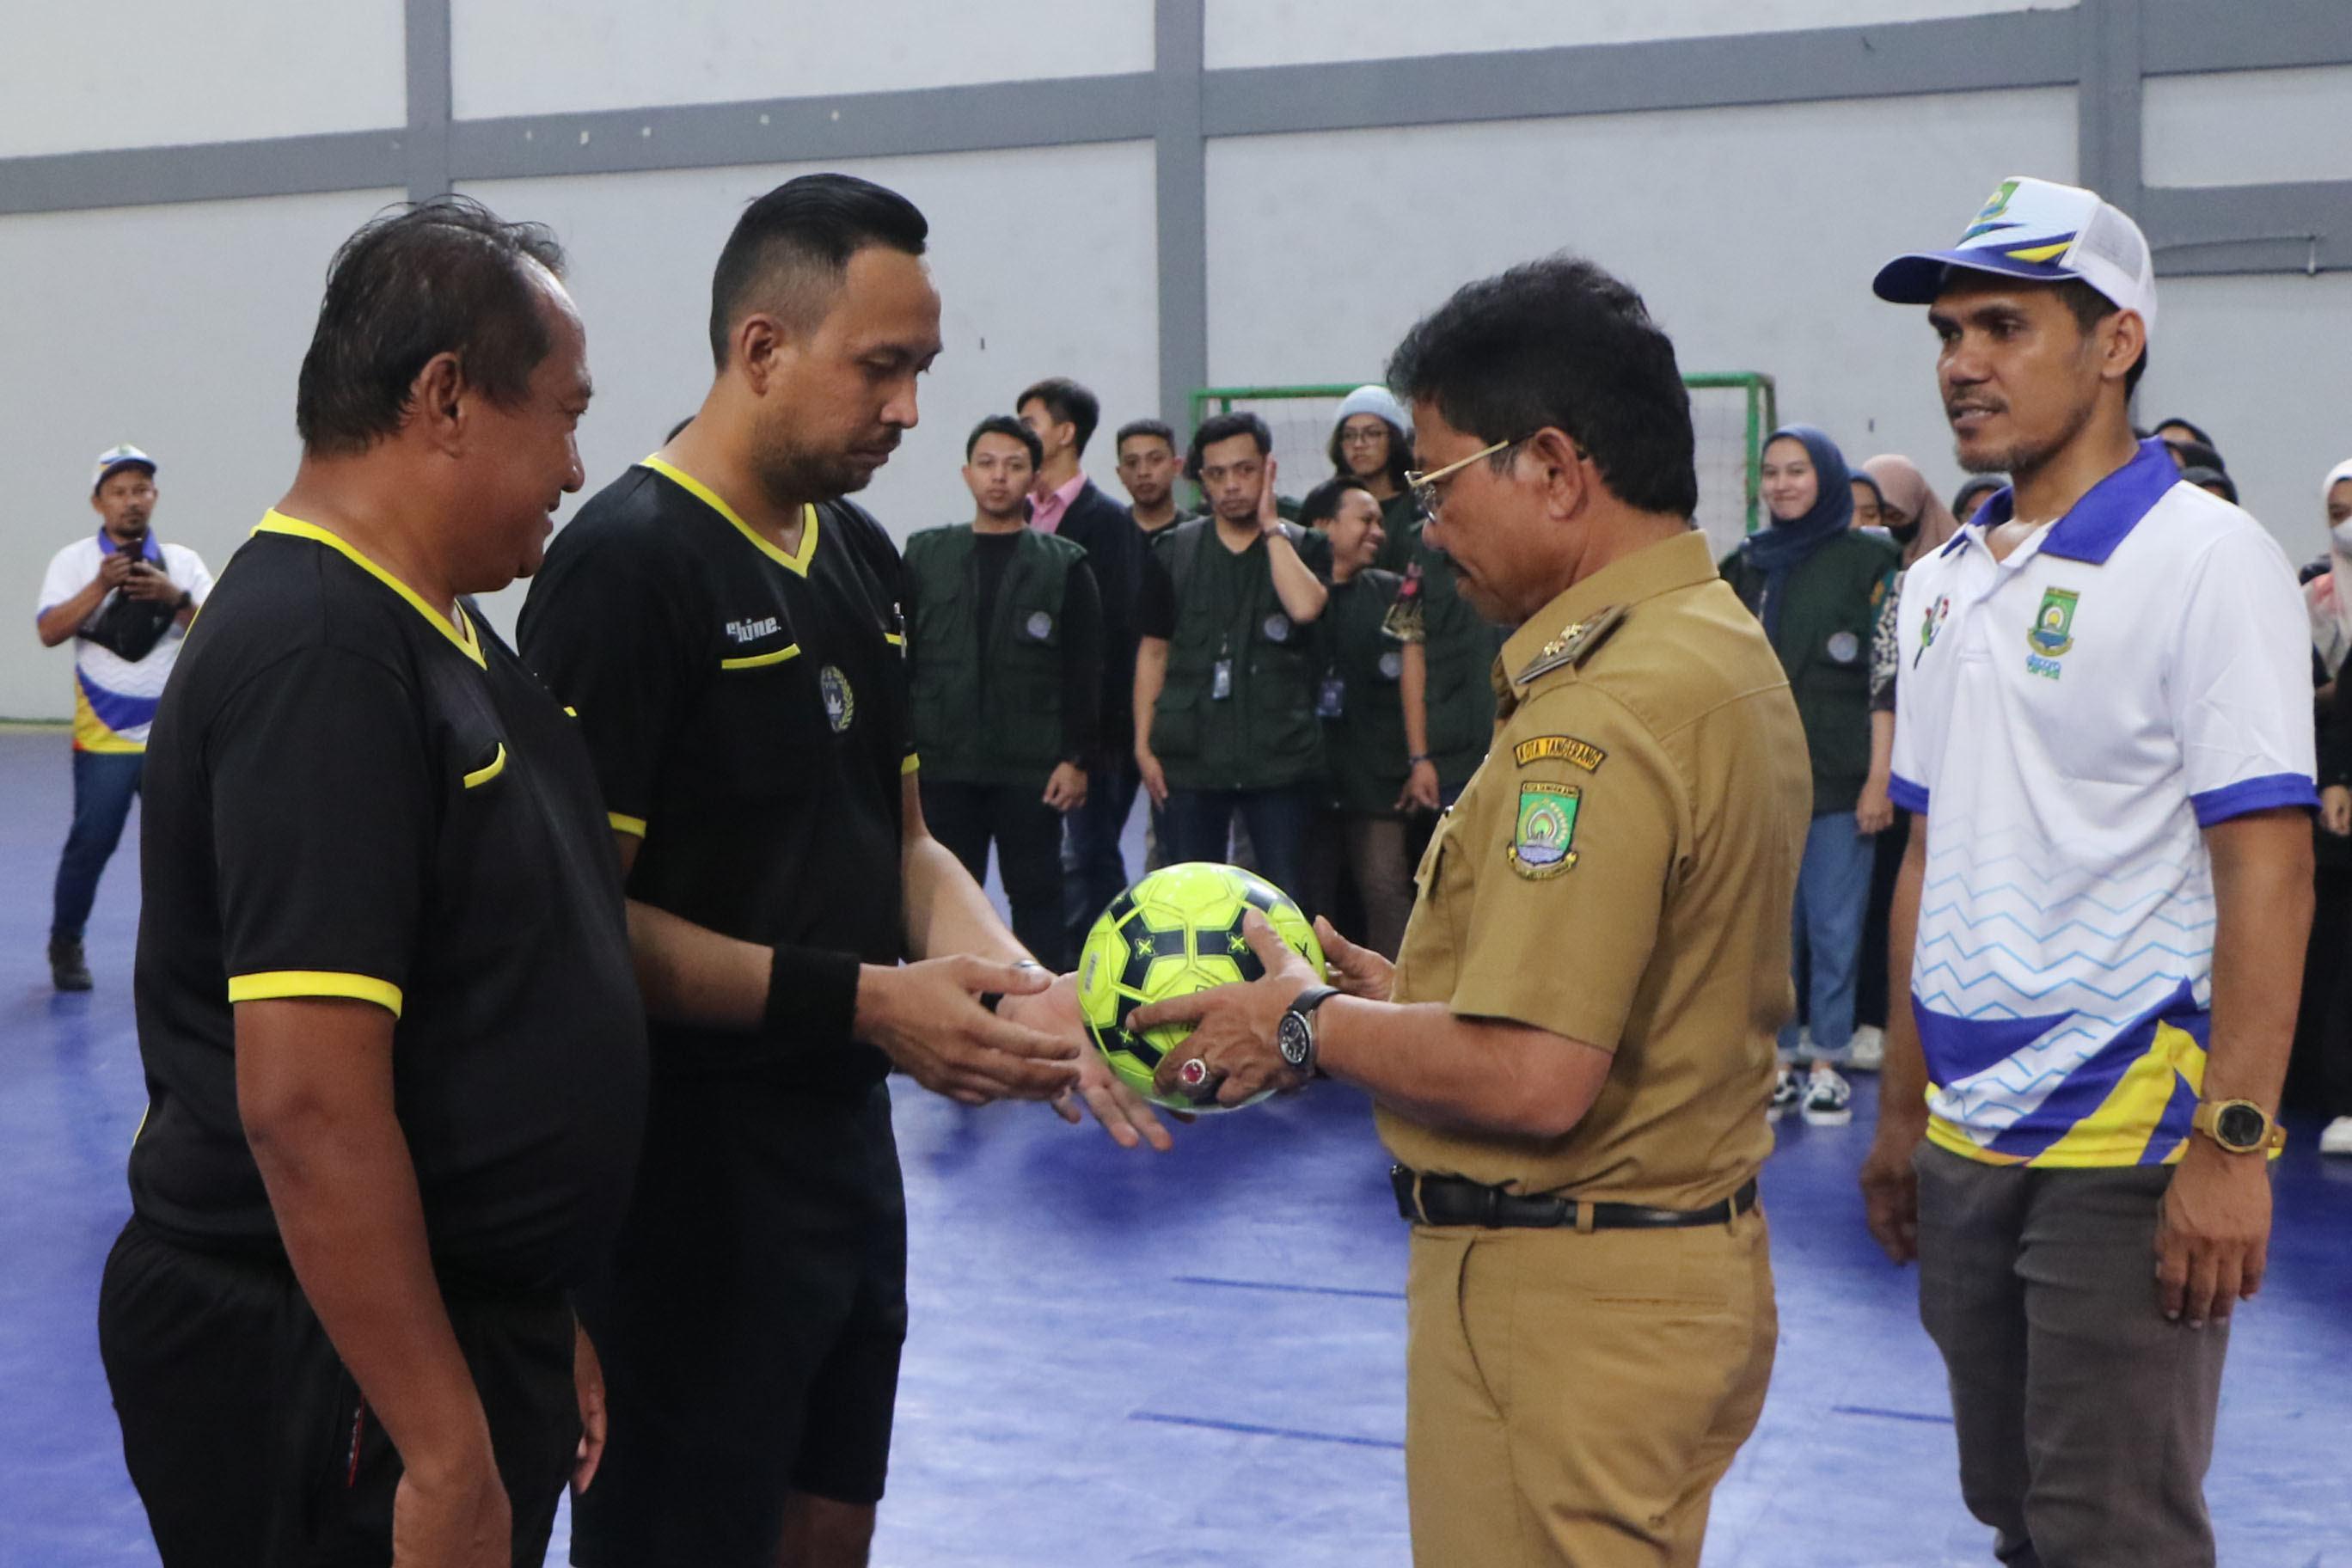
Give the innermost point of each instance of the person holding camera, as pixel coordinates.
(126, 600)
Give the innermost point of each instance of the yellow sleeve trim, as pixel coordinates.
(496, 766)
(909, 763)
(278, 984)
(633, 825)
(894, 639)
(753, 661)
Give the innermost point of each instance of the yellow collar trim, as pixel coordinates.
(797, 563)
(462, 634)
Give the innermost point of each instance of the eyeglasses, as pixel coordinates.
(1366, 437)
(1427, 495)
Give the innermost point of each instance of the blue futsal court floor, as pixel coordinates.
(1193, 1359)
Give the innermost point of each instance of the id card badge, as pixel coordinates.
(1332, 700)
(1221, 680)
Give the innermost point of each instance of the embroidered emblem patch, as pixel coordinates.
(2053, 624)
(1277, 628)
(840, 701)
(1391, 665)
(1844, 646)
(1544, 843)
(1041, 626)
(1561, 748)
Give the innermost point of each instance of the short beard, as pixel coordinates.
(790, 476)
(2024, 459)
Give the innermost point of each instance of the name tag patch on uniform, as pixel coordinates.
(1544, 842)
(1563, 749)
(840, 701)
(1844, 646)
(1041, 626)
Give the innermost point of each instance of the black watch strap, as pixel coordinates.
(1314, 996)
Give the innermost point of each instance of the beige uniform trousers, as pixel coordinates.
(1573, 1399)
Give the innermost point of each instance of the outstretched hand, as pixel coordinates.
(1233, 1026)
(1125, 1115)
(928, 1018)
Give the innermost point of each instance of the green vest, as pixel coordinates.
(1010, 731)
(1828, 615)
(1263, 734)
(1364, 742)
(1459, 645)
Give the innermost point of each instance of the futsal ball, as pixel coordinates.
(1176, 931)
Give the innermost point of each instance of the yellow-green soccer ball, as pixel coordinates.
(1176, 931)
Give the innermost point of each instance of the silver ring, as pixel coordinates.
(1193, 1073)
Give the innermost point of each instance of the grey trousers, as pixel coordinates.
(2085, 1418)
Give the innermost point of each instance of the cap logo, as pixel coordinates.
(1988, 216)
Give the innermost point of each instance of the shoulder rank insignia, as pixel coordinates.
(1573, 645)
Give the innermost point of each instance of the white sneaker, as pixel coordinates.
(1788, 1093)
(1828, 1099)
(1868, 1050)
(2335, 1138)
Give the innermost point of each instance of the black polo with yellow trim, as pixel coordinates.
(749, 716)
(349, 795)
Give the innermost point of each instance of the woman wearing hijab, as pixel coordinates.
(2327, 1032)
(1919, 523)
(1818, 585)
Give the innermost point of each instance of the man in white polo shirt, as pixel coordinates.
(2104, 725)
(125, 599)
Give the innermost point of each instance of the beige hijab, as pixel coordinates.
(1902, 483)
(2328, 596)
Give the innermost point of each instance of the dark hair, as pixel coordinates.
(1005, 425)
(2194, 455)
(1400, 450)
(1561, 343)
(803, 234)
(2090, 308)
(1068, 402)
(1975, 487)
(1860, 476)
(1322, 502)
(2202, 439)
(1134, 428)
(1219, 427)
(2208, 479)
(447, 276)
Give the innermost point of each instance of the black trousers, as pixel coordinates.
(1028, 838)
(251, 1446)
(1871, 987)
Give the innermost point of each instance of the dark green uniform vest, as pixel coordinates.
(1364, 740)
(1264, 734)
(1011, 731)
(1460, 647)
(1828, 613)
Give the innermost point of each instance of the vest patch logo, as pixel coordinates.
(2053, 631)
(840, 701)
(1391, 665)
(1559, 748)
(1544, 842)
(752, 631)
(1844, 647)
(1277, 628)
(1040, 626)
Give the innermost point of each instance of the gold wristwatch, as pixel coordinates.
(2238, 1126)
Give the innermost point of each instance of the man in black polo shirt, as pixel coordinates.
(1004, 644)
(732, 633)
(396, 1062)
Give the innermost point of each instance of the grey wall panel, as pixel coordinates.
(1182, 186)
(2108, 108)
(2026, 48)
(219, 171)
(428, 38)
(2245, 35)
(2250, 229)
(998, 115)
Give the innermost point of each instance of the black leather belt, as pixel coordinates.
(1456, 1200)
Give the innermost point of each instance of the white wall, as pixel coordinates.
(1752, 232)
(2248, 128)
(1020, 302)
(2264, 366)
(1293, 32)
(179, 330)
(544, 57)
(146, 73)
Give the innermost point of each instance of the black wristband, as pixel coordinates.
(811, 996)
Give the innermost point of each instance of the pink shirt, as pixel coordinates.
(1046, 512)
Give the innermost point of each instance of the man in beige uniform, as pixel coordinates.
(1572, 1058)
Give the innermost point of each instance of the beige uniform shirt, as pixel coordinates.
(1620, 872)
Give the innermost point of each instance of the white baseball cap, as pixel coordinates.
(2033, 229)
(123, 457)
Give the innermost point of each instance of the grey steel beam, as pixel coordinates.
(983, 118)
(1968, 54)
(208, 172)
(2107, 109)
(1181, 185)
(2302, 228)
(2188, 36)
(426, 26)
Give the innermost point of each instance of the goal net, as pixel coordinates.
(1731, 413)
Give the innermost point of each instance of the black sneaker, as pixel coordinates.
(66, 966)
